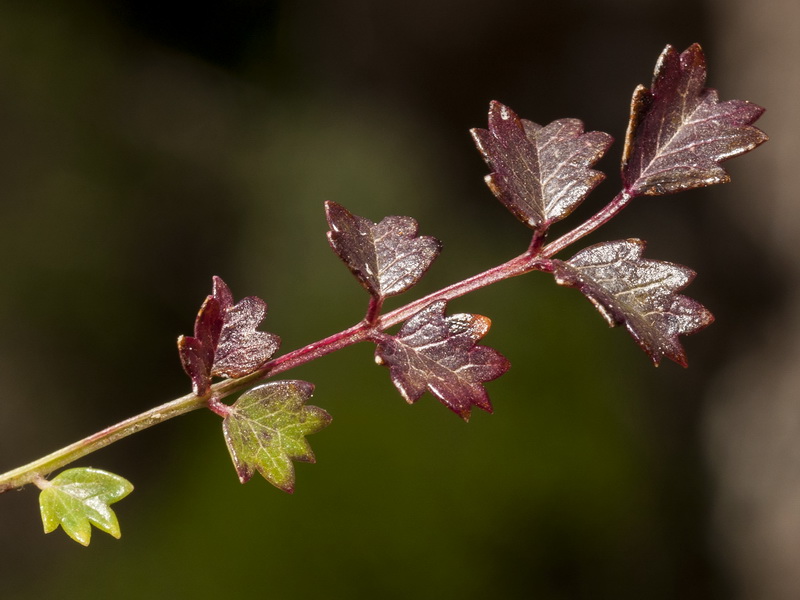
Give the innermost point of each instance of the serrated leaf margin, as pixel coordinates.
(297, 393)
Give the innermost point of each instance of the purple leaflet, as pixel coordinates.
(225, 342)
(439, 353)
(679, 132)
(540, 173)
(241, 349)
(638, 292)
(387, 258)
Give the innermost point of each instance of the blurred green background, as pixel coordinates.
(146, 146)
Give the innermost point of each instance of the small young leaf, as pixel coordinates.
(638, 292)
(439, 353)
(679, 132)
(388, 257)
(540, 173)
(241, 349)
(266, 428)
(78, 498)
(225, 342)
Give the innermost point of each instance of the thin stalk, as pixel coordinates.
(535, 258)
(36, 470)
(374, 309)
(602, 217)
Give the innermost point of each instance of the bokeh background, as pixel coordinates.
(146, 146)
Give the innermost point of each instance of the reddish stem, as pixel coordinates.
(535, 258)
(374, 309)
(611, 209)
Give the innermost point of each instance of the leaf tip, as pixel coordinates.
(244, 474)
(81, 539)
(500, 111)
(221, 291)
(332, 211)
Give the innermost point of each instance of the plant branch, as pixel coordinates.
(534, 258)
(38, 469)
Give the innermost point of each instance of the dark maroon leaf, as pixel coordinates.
(540, 173)
(679, 132)
(197, 353)
(439, 353)
(241, 349)
(638, 292)
(387, 257)
(192, 353)
(225, 342)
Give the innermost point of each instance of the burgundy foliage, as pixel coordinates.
(540, 173)
(637, 292)
(387, 258)
(439, 353)
(677, 136)
(679, 132)
(226, 342)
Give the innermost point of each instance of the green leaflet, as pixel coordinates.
(266, 428)
(78, 498)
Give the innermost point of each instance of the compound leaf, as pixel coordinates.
(78, 498)
(439, 353)
(226, 342)
(679, 132)
(639, 293)
(266, 427)
(540, 173)
(388, 257)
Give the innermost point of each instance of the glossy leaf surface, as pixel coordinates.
(388, 257)
(679, 132)
(439, 353)
(226, 342)
(540, 173)
(78, 498)
(639, 293)
(266, 428)
(241, 348)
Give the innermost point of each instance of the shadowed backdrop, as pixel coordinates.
(147, 146)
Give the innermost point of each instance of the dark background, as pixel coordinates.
(146, 146)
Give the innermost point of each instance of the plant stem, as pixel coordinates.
(37, 469)
(536, 258)
(602, 217)
(374, 309)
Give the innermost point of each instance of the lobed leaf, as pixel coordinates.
(266, 428)
(639, 293)
(439, 353)
(241, 348)
(78, 498)
(388, 257)
(679, 132)
(226, 342)
(540, 173)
